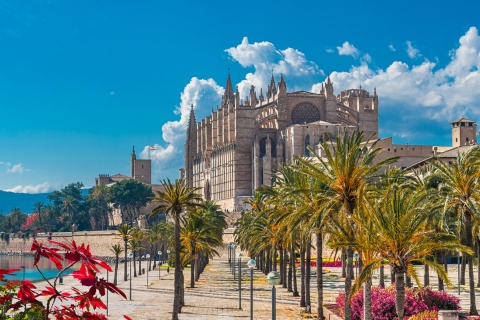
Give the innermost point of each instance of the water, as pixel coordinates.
(30, 272)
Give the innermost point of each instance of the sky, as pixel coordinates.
(82, 82)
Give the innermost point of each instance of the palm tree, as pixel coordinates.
(173, 199)
(117, 250)
(459, 188)
(346, 168)
(400, 246)
(126, 233)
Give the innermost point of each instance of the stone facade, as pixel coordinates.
(238, 147)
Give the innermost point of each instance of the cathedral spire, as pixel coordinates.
(272, 90)
(329, 88)
(192, 123)
(228, 95)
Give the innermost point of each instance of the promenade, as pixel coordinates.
(216, 296)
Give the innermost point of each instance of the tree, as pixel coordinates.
(348, 165)
(99, 209)
(117, 250)
(401, 246)
(459, 189)
(129, 196)
(126, 233)
(173, 199)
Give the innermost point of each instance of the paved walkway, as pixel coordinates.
(216, 296)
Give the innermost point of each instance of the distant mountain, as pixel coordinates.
(24, 201)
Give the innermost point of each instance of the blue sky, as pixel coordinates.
(81, 82)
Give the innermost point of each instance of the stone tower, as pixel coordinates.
(463, 132)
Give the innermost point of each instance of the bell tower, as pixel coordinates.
(464, 132)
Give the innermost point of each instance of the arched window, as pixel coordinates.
(305, 113)
(307, 144)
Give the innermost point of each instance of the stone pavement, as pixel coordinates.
(215, 296)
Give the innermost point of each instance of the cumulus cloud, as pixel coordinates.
(203, 95)
(423, 93)
(17, 168)
(265, 57)
(392, 48)
(348, 49)
(39, 188)
(411, 51)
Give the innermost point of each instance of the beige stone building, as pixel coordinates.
(238, 147)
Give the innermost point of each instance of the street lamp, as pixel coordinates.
(239, 255)
(229, 247)
(357, 264)
(130, 255)
(168, 264)
(273, 278)
(251, 264)
(159, 263)
(233, 256)
(147, 256)
(458, 271)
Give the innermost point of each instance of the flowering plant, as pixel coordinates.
(22, 299)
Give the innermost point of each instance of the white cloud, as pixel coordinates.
(17, 168)
(423, 93)
(39, 188)
(8, 164)
(348, 49)
(392, 48)
(265, 57)
(204, 95)
(411, 51)
(329, 50)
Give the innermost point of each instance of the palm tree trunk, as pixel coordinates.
(426, 275)
(302, 274)
(344, 263)
(289, 276)
(471, 280)
(116, 270)
(438, 257)
(367, 300)
(177, 307)
(408, 280)
(308, 259)
(284, 268)
(282, 280)
(192, 270)
(274, 258)
(140, 262)
(125, 261)
(348, 283)
(134, 265)
(294, 272)
(319, 244)
(197, 266)
(463, 268)
(400, 294)
(382, 277)
(392, 273)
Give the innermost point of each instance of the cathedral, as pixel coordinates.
(238, 147)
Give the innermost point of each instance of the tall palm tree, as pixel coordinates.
(126, 233)
(117, 250)
(346, 168)
(400, 246)
(459, 188)
(173, 200)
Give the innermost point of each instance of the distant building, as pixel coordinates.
(140, 170)
(238, 147)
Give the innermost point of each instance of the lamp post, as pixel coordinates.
(458, 269)
(229, 249)
(273, 278)
(130, 255)
(233, 256)
(356, 262)
(168, 264)
(159, 263)
(147, 256)
(239, 255)
(251, 264)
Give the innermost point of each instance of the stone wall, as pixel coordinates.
(100, 241)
